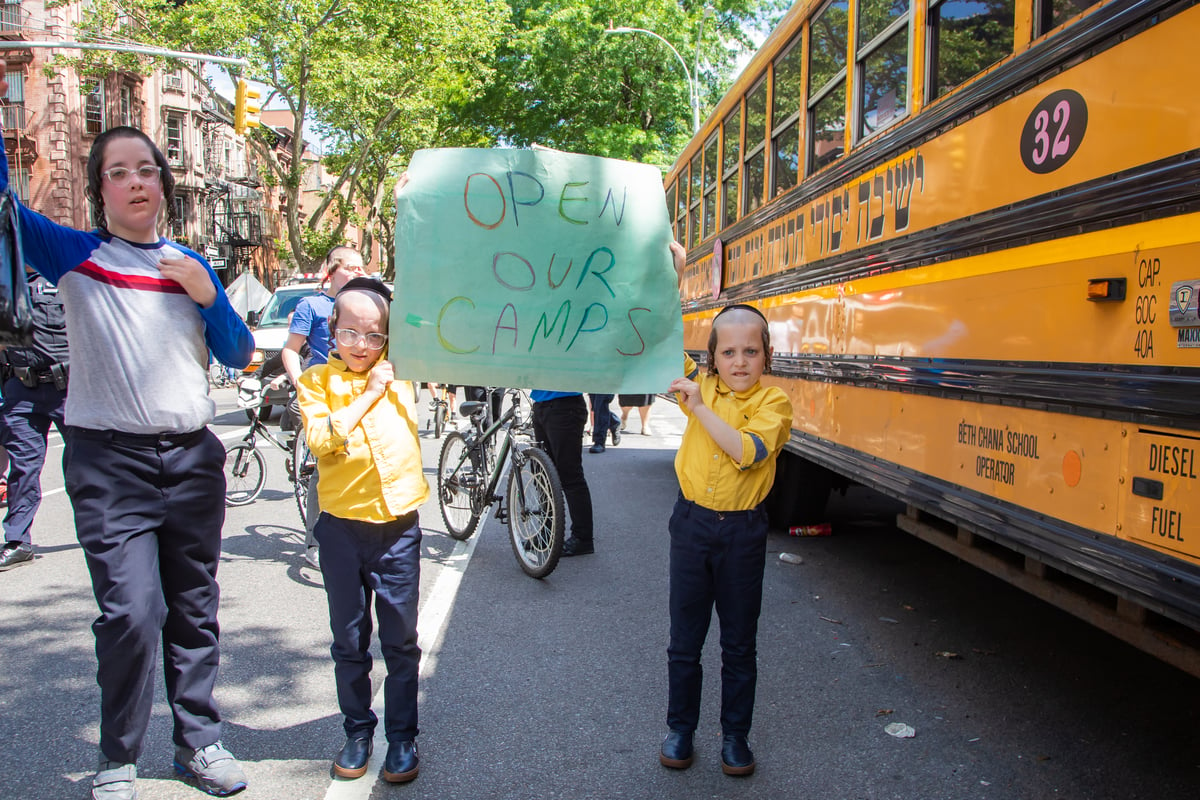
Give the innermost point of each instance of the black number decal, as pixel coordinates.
(1053, 131)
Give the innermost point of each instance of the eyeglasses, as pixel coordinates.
(351, 338)
(119, 176)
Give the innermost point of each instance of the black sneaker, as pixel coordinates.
(15, 554)
(615, 430)
(574, 546)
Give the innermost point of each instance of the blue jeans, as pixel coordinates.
(717, 558)
(603, 419)
(358, 560)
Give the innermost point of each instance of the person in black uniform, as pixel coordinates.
(35, 395)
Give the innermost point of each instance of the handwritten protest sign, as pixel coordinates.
(534, 269)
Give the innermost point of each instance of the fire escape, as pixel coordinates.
(21, 148)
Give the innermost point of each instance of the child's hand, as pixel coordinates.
(192, 276)
(277, 383)
(689, 392)
(401, 182)
(380, 377)
(679, 256)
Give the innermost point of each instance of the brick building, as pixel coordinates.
(50, 122)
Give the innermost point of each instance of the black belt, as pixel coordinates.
(140, 439)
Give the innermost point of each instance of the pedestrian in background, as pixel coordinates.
(736, 428)
(361, 425)
(143, 471)
(309, 326)
(35, 397)
(558, 422)
(642, 403)
(604, 422)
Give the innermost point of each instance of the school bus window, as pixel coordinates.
(671, 203)
(1052, 13)
(681, 207)
(712, 173)
(966, 37)
(694, 202)
(785, 119)
(883, 64)
(827, 85)
(729, 166)
(755, 158)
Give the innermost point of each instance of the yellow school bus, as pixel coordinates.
(974, 229)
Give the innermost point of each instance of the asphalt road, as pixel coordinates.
(557, 688)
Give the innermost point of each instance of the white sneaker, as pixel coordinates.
(114, 781)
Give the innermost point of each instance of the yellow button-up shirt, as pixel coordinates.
(372, 472)
(708, 476)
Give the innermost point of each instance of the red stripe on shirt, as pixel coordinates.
(144, 283)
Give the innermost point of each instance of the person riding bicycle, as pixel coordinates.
(310, 326)
(361, 425)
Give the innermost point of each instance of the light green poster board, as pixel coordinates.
(535, 269)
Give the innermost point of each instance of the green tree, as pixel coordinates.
(370, 77)
(561, 82)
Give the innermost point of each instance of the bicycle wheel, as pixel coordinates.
(304, 463)
(245, 474)
(439, 420)
(536, 513)
(460, 486)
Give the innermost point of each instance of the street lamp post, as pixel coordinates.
(693, 91)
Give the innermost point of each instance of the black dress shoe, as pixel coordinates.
(596, 448)
(736, 758)
(575, 546)
(676, 751)
(15, 554)
(401, 764)
(351, 762)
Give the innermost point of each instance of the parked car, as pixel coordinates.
(270, 326)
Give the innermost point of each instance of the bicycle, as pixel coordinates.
(218, 375)
(440, 408)
(470, 468)
(245, 467)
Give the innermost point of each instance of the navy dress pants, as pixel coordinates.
(148, 514)
(25, 421)
(558, 426)
(717, 558)
(358, 560)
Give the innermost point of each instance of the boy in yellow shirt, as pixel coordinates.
(736, 428)
(361, 424)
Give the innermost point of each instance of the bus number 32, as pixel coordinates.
(1053, 131)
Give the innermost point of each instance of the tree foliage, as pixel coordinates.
(560, 81)
(372, 78)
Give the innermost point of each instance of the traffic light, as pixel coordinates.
(245, 108)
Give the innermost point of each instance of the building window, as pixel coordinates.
(173, 79)
(10, 16)
(18, 179)
(93, 107)
(882, 56)
(179, 226)
(13, 108)
(174, 139)
(966, 37)
(827, 85)
(127, 114)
